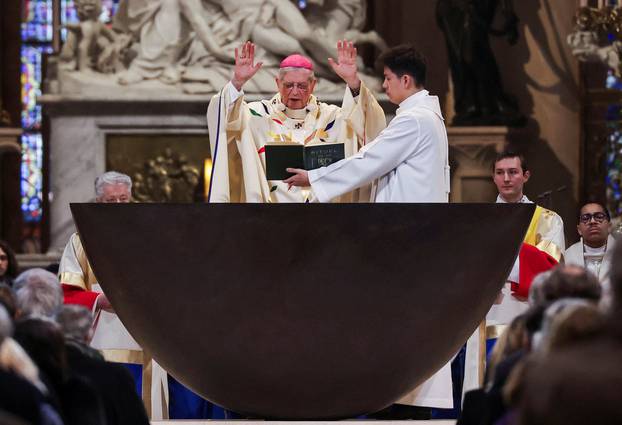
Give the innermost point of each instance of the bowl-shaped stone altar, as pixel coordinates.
(302, 311)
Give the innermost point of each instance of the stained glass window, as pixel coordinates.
(37, 35)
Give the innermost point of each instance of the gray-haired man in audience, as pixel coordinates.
(37, 293)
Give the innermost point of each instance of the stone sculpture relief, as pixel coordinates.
(187, 45)
(167, 178)
(598, 37)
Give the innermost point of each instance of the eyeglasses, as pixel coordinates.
(598, 217)
(3, 258)
(301, 86)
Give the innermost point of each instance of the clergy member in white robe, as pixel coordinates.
(239, 131)
(595, 249)
(409, 160)
(545, 233)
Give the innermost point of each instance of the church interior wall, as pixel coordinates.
(540, 71)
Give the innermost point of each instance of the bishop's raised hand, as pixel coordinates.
(345, 66)
(245, 66)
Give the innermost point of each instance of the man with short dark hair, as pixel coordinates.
(544, 242)
(409, 158)
(594, 249)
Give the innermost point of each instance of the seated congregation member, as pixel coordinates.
(579, 383)
(39, 298)
(7, 299)
(13, 358)
(574, 386)
(567, 281)
(569, 321)
(37, 294)
(239, 131)
(112, 381)
(564, 284)
(409, 158)
(578, 379)
(77, 401)
(18, 396)
(8, 264)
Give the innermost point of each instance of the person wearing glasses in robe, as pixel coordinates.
(595, 248)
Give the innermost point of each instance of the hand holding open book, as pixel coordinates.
(281, 156)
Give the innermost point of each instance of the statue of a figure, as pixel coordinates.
(478, 92)
(337, 19)
(163, 29)
(592, 39)
(90, 41)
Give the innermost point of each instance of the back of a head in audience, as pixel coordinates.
(511, 341)
(566, 281)
(536, 294)
(616, 280)
(7, 299)
(6, 324)
(569, 321)
(576, 385)
(38, 293)
(76, 323)
(44, 342)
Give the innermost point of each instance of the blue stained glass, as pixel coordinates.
(37, 23)
(69, 14)
(31, 85)
(32, 177)
(37, 34)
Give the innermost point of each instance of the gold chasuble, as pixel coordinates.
(239, 132)
(546, 233)
(74, 268)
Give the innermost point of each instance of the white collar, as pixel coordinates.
(412, 101)
(523, 200)
(607, 247)
(296, 114)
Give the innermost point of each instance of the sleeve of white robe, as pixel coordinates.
(218, 119)
(392, 146)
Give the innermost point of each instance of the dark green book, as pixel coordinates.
(280, 156)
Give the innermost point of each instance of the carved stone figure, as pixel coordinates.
(337, 19)
(478, 91)
(89, 42)
(591, 40)
(162, 30)
(188, 45)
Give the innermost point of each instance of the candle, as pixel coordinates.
(207, 176)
